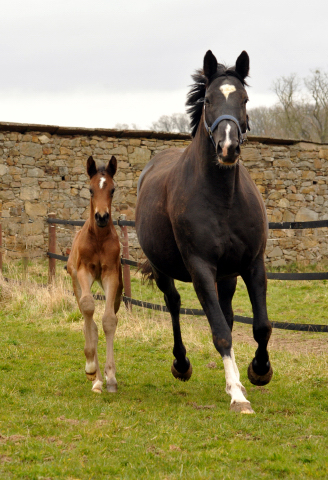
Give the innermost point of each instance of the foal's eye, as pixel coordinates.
(91, 192)
(207, 102)
(112, 191)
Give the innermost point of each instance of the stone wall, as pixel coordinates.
(42, 170)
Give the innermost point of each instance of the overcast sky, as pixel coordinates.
(101, 62)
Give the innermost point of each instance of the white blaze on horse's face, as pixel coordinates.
(227, 141)
(102, 182)
(226, 89)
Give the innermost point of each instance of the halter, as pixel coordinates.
(216, 122)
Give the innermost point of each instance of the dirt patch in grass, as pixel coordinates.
(293, 342)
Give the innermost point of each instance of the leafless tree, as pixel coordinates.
(177, 122)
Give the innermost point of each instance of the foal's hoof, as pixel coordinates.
(97, 386)
(91, 376)
(184, 377)
(111, 388)
(241, 407)
(259, 380)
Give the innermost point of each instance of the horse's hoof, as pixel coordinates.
(91, 376)
(184, 377)
(241, 407)
(97, 386)
(259, 380)
(111, 388)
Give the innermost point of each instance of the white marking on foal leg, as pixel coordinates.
(227, 141)
(90, 367)
(97, 386)
(234, 388)
(226, 89)
(102, 182)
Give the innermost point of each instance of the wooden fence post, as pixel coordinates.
(0, 238)
(52, 249)
(126, 268)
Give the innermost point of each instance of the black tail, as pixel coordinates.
(147, 272)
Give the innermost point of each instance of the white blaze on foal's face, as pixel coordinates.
(226, 89)
(102, 182)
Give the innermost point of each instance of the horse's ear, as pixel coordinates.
(91, 167)
(210, 64)
(112, 166)
(242, 65)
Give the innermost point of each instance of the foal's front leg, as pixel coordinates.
(204, 283)
(90, 329)
(113, 290)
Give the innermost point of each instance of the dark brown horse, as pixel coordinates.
(95, 255)
(201, 219)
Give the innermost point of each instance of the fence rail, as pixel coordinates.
(126, 262)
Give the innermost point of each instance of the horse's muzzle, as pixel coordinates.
(228, 155)
(102, 220)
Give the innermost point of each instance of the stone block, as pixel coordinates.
(140, 156)
(30, 193)
(120, 150)
(323, 153)
(34, 210)
(35, 172)
(33, 150)
(306, 215)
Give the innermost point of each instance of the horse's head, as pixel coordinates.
(225, 117)
(101, 190)
(218, 100)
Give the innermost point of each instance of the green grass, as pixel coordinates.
(53, 427)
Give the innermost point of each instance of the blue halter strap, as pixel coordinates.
(216, 122)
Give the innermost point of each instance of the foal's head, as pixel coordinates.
(218, 101)
(101, 190)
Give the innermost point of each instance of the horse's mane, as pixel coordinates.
(196, 95)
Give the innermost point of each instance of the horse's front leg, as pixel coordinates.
(203, 277)
(259, 371)
(112, 286)
(90, 329)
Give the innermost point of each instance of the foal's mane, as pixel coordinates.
(196, 95)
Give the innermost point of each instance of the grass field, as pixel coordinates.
(53, 427)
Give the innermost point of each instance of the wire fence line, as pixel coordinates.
(128, 300)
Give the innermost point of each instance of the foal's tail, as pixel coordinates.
(147, 272)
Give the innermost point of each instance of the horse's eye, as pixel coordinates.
(91, 192)
(112, 191)
(207, 102)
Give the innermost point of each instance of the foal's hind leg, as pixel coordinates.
(259, 371)
(226, 289)
(181, 367)
(90, 329)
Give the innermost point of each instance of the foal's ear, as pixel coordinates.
(91, 167)
(210, 64)
(242, 65)
(112, 166)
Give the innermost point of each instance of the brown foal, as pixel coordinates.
(95, 255)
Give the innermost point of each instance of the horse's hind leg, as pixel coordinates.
(90, 329)
(226, 289)
(260, 370)
(181, 367)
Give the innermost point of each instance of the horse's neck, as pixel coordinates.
(223, 179)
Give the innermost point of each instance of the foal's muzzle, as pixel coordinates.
(102, 220)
